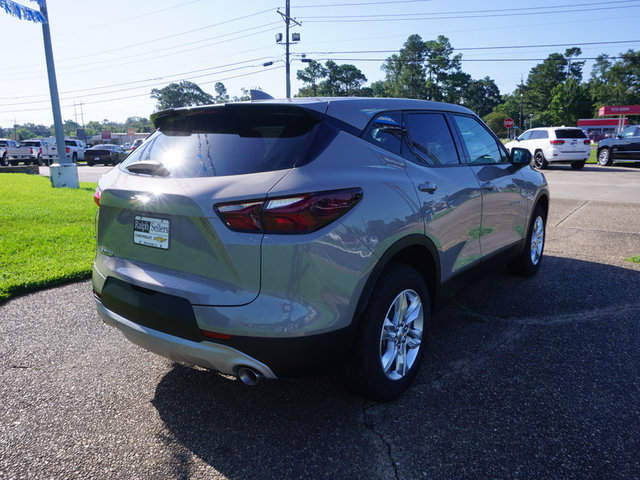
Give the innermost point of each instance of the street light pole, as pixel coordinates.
(65, 174)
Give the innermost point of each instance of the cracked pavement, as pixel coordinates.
(523, 378)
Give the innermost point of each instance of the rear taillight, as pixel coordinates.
(587, 142)
(293, 214)
(557, 142)
(31, 150)
(96, 196)
(68, 149)
(40, 150)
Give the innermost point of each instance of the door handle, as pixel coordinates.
(427, 187)
(488, 186)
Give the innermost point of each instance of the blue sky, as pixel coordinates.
(109, 55)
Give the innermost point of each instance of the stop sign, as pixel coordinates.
(508, 122)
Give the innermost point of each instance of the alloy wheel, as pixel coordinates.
(401, 334)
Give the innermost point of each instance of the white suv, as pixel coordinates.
(555, 145)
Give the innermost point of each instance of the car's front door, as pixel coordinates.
(624, 146)
(504, 204)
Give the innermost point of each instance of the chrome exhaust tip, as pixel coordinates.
(248, 376)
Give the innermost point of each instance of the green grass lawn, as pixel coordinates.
(46, 233)
(635, 259)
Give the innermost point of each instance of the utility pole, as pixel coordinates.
(287, 62)
(521, 97)
(65, 174)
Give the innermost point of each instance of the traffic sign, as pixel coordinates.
(508, 122)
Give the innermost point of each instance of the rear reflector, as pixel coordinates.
(96, 196)
(289, 215)
(216, 335)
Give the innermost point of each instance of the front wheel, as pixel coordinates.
(539, 161)
(577, 165)
(390, 340)
(528, 262)
(90, 163)
(74, 157)
(605, 158)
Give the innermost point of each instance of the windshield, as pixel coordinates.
(227, 140)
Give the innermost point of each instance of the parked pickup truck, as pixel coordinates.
(74, 149)
(5, 145)
(27, 151)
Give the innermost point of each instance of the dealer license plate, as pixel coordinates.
(152, 232)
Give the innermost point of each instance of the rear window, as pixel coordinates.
(30, 144)
(227, 140)
(570, 133)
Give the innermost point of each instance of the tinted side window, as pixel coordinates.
(385, 131)
(629, 132)
(429, 140)
(481, 145)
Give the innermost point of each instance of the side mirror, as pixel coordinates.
(520, 156)
(619, 137)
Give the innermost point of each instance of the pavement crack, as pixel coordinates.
(369, 425)
(571, 213)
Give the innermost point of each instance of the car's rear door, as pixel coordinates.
(448, 191)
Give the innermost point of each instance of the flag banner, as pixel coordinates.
(22, 12)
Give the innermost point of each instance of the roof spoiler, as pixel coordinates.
(259, 95)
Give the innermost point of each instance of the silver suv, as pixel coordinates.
(283, 238)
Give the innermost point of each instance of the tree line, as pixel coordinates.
(92, 128)
(554, 92)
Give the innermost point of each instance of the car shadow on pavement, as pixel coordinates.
(530, 377)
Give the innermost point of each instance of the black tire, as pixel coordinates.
(364, 373)
(74, 157)
(528, 263)
(577, 165)
(90, 163)
(5, 160)
(13, 162)
(539, 161)
(39, 161)
(605, 158)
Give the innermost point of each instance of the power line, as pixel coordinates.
(84, 95)
(462, 59)
(362, 4)
(143, 95)
(146, 56)
(155, 40)
(458, 14)
(487, 48)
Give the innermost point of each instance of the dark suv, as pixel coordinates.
(281, 238)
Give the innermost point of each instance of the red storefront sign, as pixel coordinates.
(620, 110)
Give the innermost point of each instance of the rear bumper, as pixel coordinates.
(214, 356)
(167, 325)
(557, 156)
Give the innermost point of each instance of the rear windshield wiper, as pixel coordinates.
(149, 167)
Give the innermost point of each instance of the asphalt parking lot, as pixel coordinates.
(524, 378)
